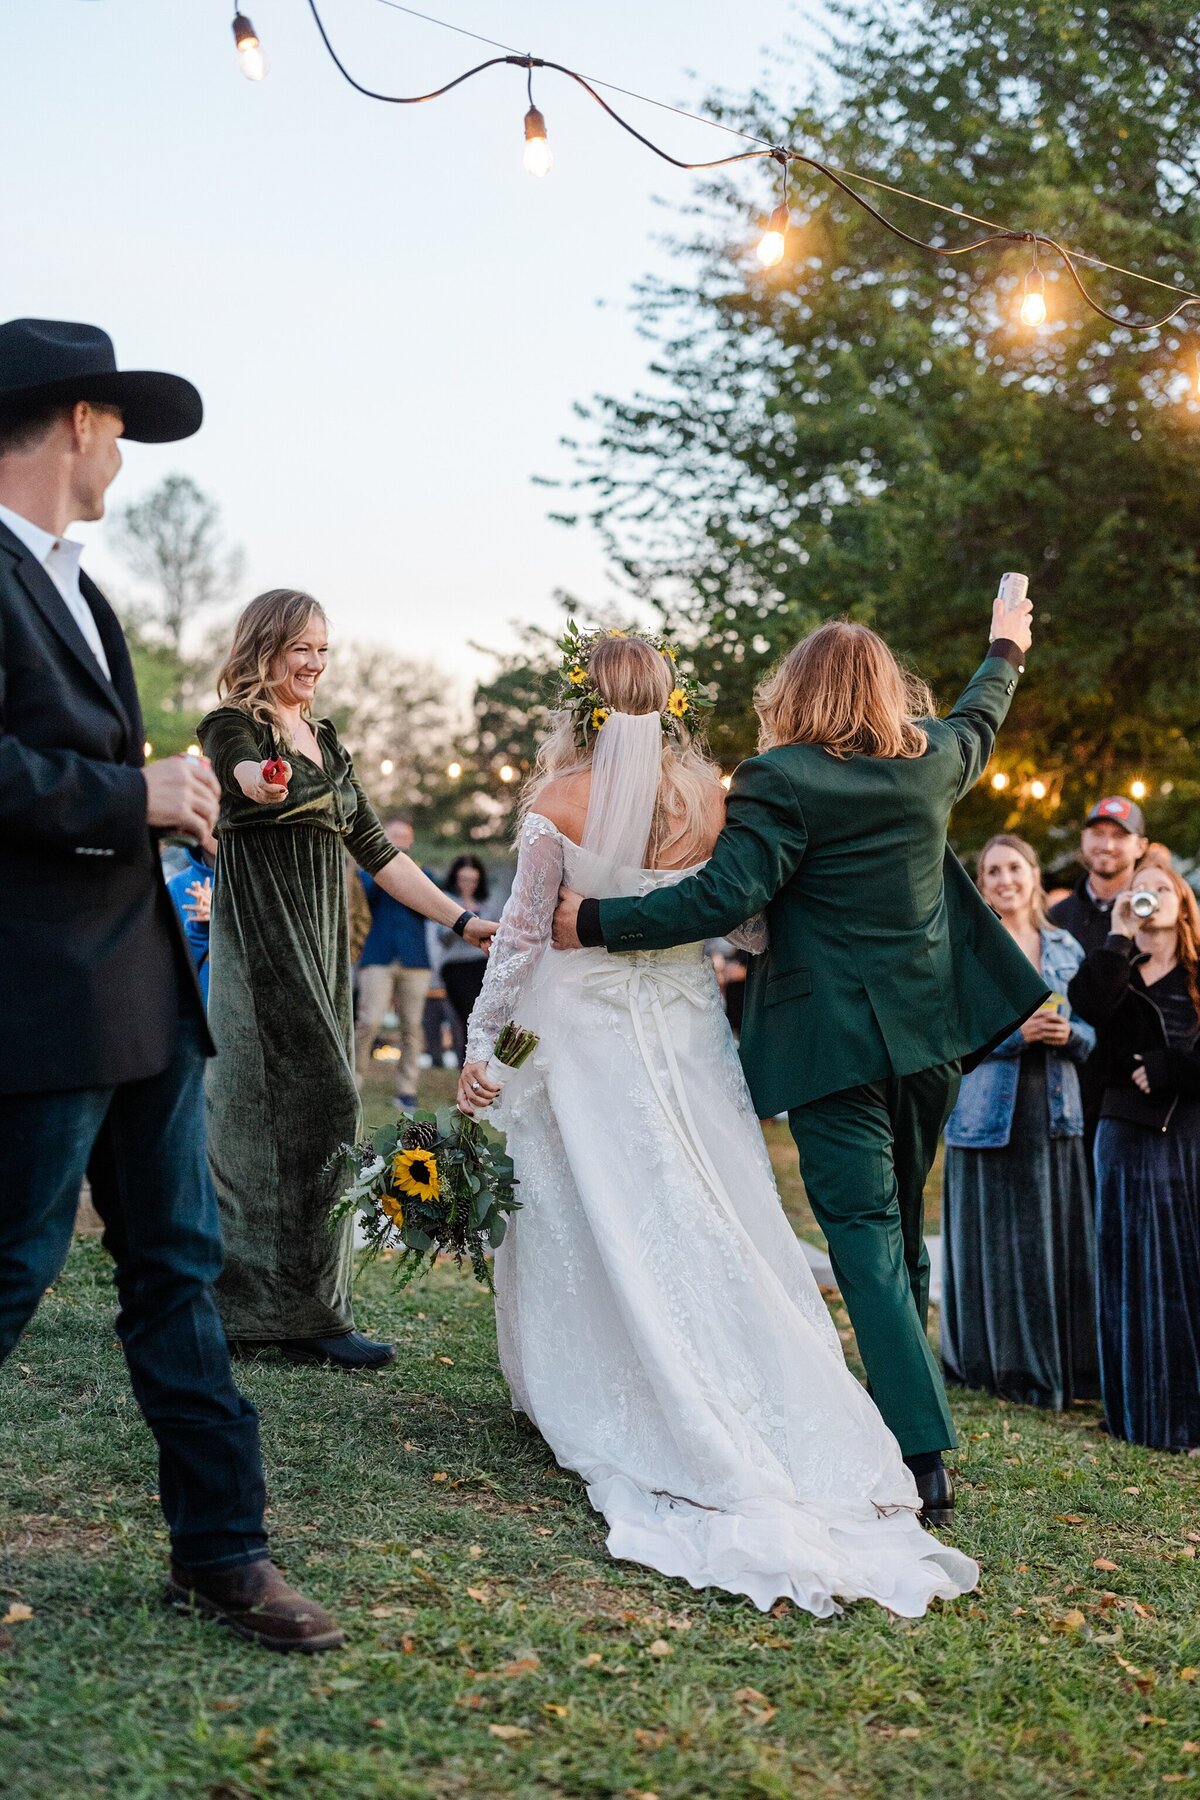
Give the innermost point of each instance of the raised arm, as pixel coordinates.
(983, 706)
(756, 854)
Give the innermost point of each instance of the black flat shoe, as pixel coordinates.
(937, 1496)
(350, 1351)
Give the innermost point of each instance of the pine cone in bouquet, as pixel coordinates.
(422, 1134)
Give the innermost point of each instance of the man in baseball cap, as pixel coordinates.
(1112, 844)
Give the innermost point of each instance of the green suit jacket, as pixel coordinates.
(883, 959)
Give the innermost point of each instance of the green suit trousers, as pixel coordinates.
(865, 1155)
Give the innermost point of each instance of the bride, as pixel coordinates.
(657, 1319)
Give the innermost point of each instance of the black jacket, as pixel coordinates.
(92, 961)
(1088, 923)
(1108, 991)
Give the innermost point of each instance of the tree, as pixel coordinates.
(172, 540)
(866, 430)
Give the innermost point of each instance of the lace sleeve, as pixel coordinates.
(752, 936)
(523, 935)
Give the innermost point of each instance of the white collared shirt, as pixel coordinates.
(60, 559)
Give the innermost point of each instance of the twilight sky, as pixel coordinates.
(388, 319)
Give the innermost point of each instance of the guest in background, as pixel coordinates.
(358, 913)
(190, 889)
(393, 975)
(1018, 1313)
(1141, 990)
(1111, 846)
(281, 1092)
(461, 964)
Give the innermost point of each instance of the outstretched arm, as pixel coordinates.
(756, 854)
(982, 708)
(523, 934)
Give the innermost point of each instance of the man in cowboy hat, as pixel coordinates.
(102, 1034)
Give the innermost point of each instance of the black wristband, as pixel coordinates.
(587, 925)
(459, 927)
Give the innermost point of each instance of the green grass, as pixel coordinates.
(473, 1581)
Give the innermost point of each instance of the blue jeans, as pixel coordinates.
(142, 1146)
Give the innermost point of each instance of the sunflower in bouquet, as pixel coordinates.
(431, 1183)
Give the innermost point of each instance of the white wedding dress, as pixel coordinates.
(657, 1319)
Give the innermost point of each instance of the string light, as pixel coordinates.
(454, 771)
(507, 772)
(773, 242)
(539, 158)
(193, 750)
(387, 766)
(1038, 789)
(838, 178)
(1138, 789)
(252, 58)
(1033, 301)
(999, 781)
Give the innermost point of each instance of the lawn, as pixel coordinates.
(496, 1651)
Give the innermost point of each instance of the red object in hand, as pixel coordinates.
(274, 773)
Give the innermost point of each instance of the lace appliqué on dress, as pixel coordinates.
(523, 935)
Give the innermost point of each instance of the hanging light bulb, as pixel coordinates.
(773, 242)
(387, 766)
(1038, 789)
(1138, 789)
(1033, 300)
(454, 771)
(507, 772)
(539, 158)
(999, 781)
(252, 58)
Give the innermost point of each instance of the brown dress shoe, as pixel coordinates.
(254, 1601)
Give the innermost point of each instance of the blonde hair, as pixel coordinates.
(1008, 840)
(841, 688)
(1187, 929)
(268, 625)
(631, 676)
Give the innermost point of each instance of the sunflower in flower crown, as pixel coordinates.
(415, 1172)
(579, 696)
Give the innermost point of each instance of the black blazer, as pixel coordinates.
(92, 960)
(1108, 991)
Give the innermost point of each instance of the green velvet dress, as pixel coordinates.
(281, 1093)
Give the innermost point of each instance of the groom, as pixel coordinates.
(885, 969)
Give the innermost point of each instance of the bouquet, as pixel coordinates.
(431, 1182)
(512, 1049)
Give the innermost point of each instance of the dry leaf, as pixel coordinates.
(475, 1551)
(17, 1613)
(480, 1594)
(441, 1475)
(1150, 1719)
(223, 1705)
(1069, 1621)
(264, 1740)
(659, 1647)
(380, 1612)
(470, 1700)
(593, 1658)
(909, 1731)
(649, 1740)
(1190, 1747)
(448, 1360)
(377, 1724)
(1102, 1562)
(524, 1665)
(1174, 1778)
(554, 1709)
(1070, 1518)
(508, 1733)
(1189, 1674)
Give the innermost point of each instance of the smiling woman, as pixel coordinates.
(281, 1092)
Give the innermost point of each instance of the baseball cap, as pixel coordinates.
(1118, 811)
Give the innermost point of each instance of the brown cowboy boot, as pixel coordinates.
(254, 1600)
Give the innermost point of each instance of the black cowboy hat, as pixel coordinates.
(48, 359)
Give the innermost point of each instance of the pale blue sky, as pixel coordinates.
(388, 319)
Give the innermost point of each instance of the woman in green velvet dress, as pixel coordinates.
(281, 1091)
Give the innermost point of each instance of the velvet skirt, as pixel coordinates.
(1148, 1255)
(1018, 1275)
(281, 1095)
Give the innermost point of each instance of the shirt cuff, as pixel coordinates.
(1005, 648)
(587, 925)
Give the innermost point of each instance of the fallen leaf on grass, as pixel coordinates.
(594, 1657)
(554, 1709)
(756, 1706)
(1150, 1719)
(1188, 1674)
(441, 1475)
(381, 1612)
(264, 1740)
(649, 1740)
(659, 1647)
(448, 1360)
(1108, 1567)
(223, 1705)
(475, 1551)
(1069, 1621)
(472, 1701)
(1070, 1518)
(1190, 1747)
(17, 1613)
(507, 1733)
(480, 1594)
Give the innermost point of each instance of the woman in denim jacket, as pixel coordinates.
(1018, 1295)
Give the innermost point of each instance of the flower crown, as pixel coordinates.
(579, 696)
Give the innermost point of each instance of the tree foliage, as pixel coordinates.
(172, 541)
(867, 429)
